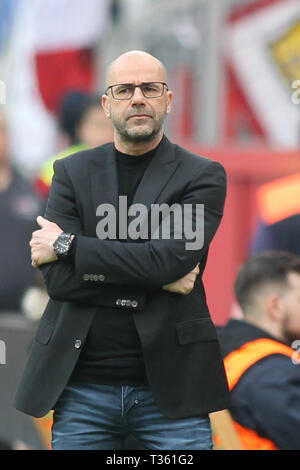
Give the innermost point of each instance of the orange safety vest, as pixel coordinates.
(279, 199)
(236, 364)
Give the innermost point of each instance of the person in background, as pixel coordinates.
(19, 207)
(84, 124)
(279, 216)
(263, 370)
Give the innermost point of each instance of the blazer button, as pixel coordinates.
(101, 277)
(134, 303)
(123, 302)
(86, 277)
(118, 302)
(128, 303)
(77, 344)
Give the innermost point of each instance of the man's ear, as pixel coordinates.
(274, 306)
(106, 106)
(169, 102)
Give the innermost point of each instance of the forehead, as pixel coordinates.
(136, 70)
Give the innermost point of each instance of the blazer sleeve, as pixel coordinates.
(60, 277)
(155, 263)
(151, 264)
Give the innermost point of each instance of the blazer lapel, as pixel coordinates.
(157, 174)
(103, 181)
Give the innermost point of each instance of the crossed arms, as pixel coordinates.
(163, 264)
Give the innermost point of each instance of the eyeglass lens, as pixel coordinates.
(126, 91)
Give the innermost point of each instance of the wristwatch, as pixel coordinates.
(63, 244)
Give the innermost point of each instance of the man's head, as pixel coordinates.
(94, 128)
(268, 291)
(137, 118)
(83, 120)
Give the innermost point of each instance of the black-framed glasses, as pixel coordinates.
(125, 91)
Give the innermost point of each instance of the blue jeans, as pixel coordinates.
(95, 417)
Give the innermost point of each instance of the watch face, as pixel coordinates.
(64, 238)
(62, 248)
(62, 244)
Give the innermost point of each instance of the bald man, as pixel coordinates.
(126, 344)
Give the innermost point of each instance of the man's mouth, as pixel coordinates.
(139, 116)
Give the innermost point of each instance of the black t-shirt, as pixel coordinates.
(112, 353)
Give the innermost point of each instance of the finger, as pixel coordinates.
(41, 221)
(167, 287)
(192, 276)
(34, 252)
(187, 291)
(36, 234)
(34, 258)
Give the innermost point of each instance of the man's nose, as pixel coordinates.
(138, 96)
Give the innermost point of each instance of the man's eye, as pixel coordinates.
(123, 90)
(150, 88)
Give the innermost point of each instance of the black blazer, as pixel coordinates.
(179, 341)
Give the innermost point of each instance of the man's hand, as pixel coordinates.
(42, 242)
(185, 285)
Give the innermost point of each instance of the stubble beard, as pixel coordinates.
(288, 333)
(139, 133)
